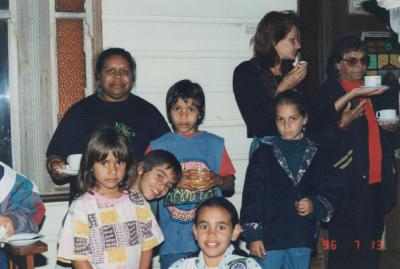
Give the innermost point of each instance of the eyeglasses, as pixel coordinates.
(353, 61)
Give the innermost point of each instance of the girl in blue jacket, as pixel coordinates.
(288, 187)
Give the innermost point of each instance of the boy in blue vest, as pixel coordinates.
(207, 170)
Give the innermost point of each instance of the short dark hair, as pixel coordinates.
(186, 89)
(105, 54)
(100, 144)
(220, 202)
(272, 28)
(161, 157)
(343, 46)
(156, 158)
(291, 97)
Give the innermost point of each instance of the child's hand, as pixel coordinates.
(215, 180)
(186, 181)
(257, 249)
(207, 179)
(304, 207)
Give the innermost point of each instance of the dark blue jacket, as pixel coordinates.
(363, 204)
(268, 210)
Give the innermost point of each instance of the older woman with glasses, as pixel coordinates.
(362, 151)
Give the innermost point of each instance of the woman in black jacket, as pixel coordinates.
(270, 72)
(362, 151)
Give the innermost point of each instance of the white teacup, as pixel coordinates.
(372, 81)
(386, 114)
(74, 161)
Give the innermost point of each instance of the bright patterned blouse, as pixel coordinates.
(108, 233)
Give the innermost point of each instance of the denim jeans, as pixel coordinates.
(292, 258)
(167, 260)
(3, 260)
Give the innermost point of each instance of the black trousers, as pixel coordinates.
(354, 248)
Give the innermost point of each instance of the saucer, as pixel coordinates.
(69, 171)
(23, 239)
(388, 121)
(372, 87)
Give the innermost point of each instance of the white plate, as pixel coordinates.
(23, 239)
(67, 170)
(372, 87)
(384, 121)
(23, 242)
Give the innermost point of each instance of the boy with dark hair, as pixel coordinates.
(207, 169)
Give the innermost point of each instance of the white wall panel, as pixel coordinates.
(211, 70)
(55, 213)
(193, 8)
(205, 35)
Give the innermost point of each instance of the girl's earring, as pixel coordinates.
(303, 128)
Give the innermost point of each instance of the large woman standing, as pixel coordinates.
(362, 151)
(257, 81)
(112, 104)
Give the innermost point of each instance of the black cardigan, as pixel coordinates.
(254, 100)
(254, 97)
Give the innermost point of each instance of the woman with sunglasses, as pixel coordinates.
(362, 153)
(257, 81)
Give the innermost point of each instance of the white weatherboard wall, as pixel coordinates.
(184, 39)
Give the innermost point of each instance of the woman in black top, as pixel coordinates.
(258, 80)
(112, 104)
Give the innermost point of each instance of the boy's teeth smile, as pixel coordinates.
(155, 191)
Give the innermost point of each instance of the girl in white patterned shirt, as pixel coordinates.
(108, 225)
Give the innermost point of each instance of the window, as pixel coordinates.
(5, 127)
(30, 77)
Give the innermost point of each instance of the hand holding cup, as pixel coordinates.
(74, 161)
(201, 178)
(196, 179)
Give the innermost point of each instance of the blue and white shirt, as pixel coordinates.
(230, 261)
